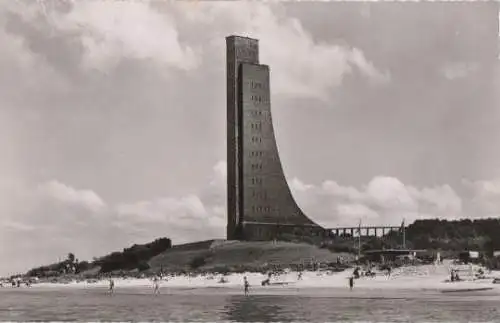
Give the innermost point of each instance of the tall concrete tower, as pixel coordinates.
(260, 203)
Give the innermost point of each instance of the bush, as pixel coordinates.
(197, 262)
(142, 266)
(133, 257)
(83, 266)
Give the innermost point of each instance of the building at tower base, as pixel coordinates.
(260, 203)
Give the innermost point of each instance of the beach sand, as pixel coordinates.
(426, 278)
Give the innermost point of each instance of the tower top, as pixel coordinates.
(241, 37)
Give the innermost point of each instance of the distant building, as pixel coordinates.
(260, 203)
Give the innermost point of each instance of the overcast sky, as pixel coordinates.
(112, 117)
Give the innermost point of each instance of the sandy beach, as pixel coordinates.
(422, 278)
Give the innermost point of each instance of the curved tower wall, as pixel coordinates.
(260, 203)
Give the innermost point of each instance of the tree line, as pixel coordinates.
(135, 257)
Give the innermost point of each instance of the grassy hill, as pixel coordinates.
(221, 255)
(209, 255)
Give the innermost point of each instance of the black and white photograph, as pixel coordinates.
(249, 161)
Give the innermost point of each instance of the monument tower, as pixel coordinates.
(259, 201)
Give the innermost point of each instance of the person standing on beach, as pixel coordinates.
(111, 286)
(351, 282)
(156, 283)
(246, 285)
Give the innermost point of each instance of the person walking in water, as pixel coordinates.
(351, 282)
(111, 286)
(246, 285)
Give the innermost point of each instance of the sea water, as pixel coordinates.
(229, 304)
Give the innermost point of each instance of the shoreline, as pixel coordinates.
(403, 293)
(422, 278)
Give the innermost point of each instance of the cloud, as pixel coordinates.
(354, 211)
(17, 226)
(220, 173)
(301, 67)
(485, 197)
(107, 32)
(458, 70)
(383, 201)
(66, 194)
(130, 29)
(297, 185)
